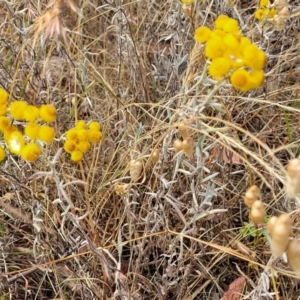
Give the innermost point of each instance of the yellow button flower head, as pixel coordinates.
(221, 21)
(15, 142)
(31, 152)
(219, 67)
(32, 130)
(94, 136)
(264, 3)
(81, 125)
(256, 78)
(82, 134)
(95, 126)
(83, 146)
(3, 97)
(202, 34)
(46, 134)
(231, 41)
(254, 57)
(47, 113)
(69, 146)
(215, 48)
(187, 2)
(240, 79)
(31, 113)
(5, 123)
(231, 26)
(76, 156)
(2, 154)
(3, 109)
(17, 109)
(72, 134)
(9, 131)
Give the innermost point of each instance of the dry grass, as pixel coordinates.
(73, 231)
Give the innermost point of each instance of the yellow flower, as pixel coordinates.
(5, 123)
(220, 21)
(46, 134)
(47, 113)
(8, 131)
(72, 134)
(264, 3)
(244, 41)
(231, 41)
(254, 57)
(32, 130)
(202, 34)
(240, 79)
(272, 13)
(69, 146)
(76, 156)
(187, 2)
(3, 97)
(83, 146)
(231, 25)
(17, 109)
(31, 152)
(94, 136)
(261, 13)
(215, 48)
(2, 154)
(15, 142)
(219, 67)
(81, 125)
(82, 134)
(95, 126)
(3, 109)
(31, 113)
(256, 78)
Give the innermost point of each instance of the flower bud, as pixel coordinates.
(293, 254)
(154, 156)
(188, 147)
(177, 144)
(251, 195)
(293, 178)
(280, 233)
(135, 169)
(184, 129)
(257, 214)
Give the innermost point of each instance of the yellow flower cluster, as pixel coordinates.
(79, 139)
(17, 141)
(264, 11)
(187, 2)
(232, 54)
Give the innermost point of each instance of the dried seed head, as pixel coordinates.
(280, 234)
(280, 4)
(187, 9)
(293, 178)
(154, 156)
(188, 147)
(177, 144)
(184, 129)
(284, 13)
(135, 169)
(280, 19)
(121, 189)
(257, 214)
(251, 195)
(271, 224)
(293, 254)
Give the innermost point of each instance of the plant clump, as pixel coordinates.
(26, 138)
(232, 55)
(79, 139)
